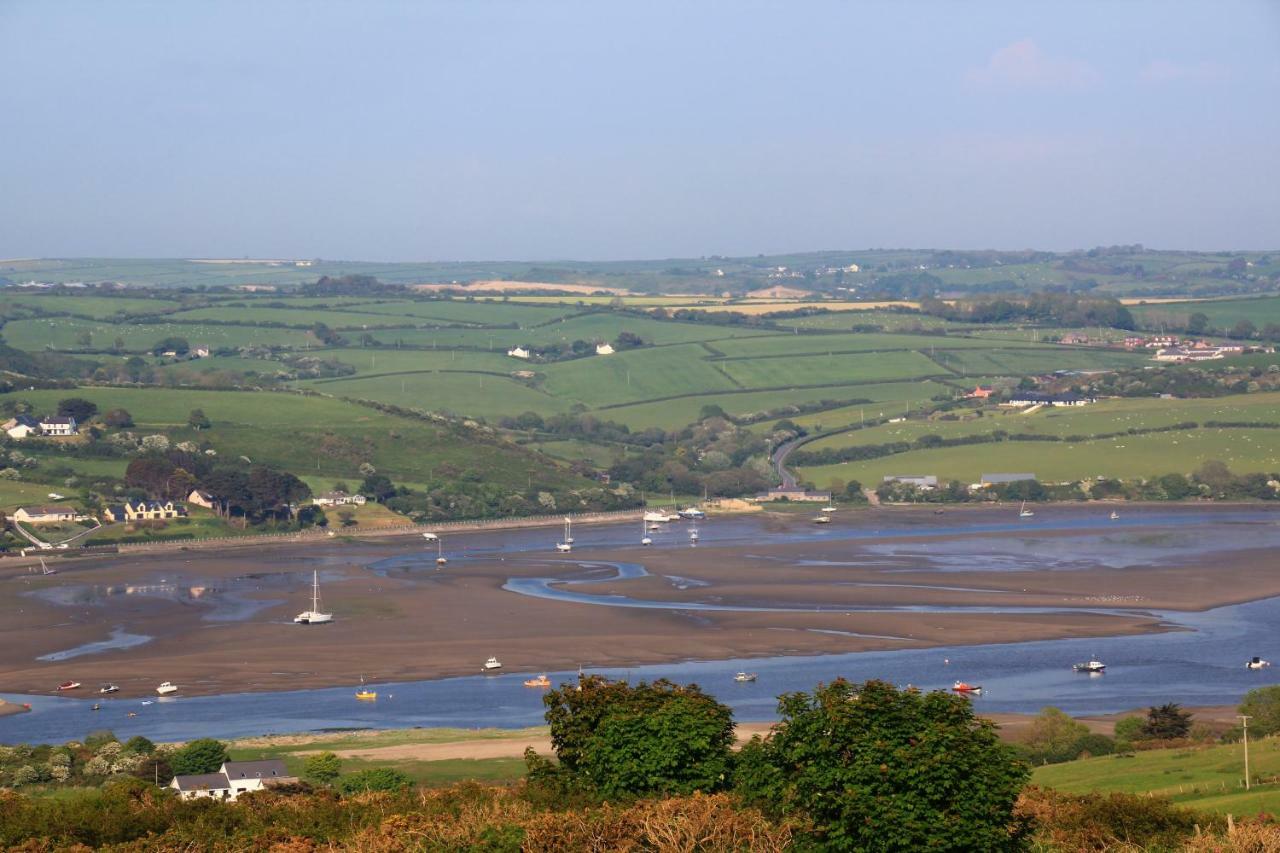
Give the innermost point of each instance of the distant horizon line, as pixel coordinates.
(570, 260)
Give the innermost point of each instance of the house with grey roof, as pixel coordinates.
(1000, 479)
(233, 779)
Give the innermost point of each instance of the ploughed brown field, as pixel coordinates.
(220, 621)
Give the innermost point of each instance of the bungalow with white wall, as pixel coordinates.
(46, 514)
(233, 779)
(339, 498)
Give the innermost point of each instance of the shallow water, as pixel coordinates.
(1203, 664)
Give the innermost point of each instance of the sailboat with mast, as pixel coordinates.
(644, 533)
(440, 557)
(567, 544)
(314, 616)
(1024, 512)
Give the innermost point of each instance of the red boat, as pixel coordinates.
(68, 685)
(961, 687)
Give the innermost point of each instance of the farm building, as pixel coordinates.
(46, 514)
(21, 426)
(1026, 399)
(58, 426)
(518, 352)
(338, 498)
(604, 349)
(233, 779)
(920, 481)
(981, 392)
(988, 480)
(793, 494)
(199, 497)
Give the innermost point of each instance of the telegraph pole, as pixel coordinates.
(1244, 723)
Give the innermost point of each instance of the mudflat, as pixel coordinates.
(765, 585)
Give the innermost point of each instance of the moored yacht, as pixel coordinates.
(491, 665)
(314, 616)
(1257, 663)
(166, 688)
(1089, 666)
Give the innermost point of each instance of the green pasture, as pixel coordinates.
(483, 395)
(1222, 313)
(1008, 360)
(1104, 416)
(676, 413)
(845, 320)
(1206, 778)
(634, 375)
(15, 493)
(379, 361)
(302, 317)
(1126, 457)
(312, 436)
(887, 400)
(791, 371)
(573, 450)
(100, 307)
(833, 344)
(64, 333)
(479, 313)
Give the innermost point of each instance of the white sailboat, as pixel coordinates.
(693, 535)
(567, 544)
(440, 558)
(1024, 512)
(644, 533)
(314, 616)
(568, 530)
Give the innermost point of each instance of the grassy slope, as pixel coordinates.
(1222, 313)
(318, 437)
(1205, 778)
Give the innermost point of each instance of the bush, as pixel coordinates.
(324, 767)
(1107, 821)
(620, 739)
(376, 779)
(205, 755)
(875, 768)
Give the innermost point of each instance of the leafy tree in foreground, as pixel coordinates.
(205, 755)
(619, 739)
(1167, 722)
(875, 768)
(376, 779)
(323, 767)
(198, 420)
(118, 418)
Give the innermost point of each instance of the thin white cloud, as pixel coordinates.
(1168, 71)
(1023, 65)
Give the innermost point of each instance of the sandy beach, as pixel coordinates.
(220, 622)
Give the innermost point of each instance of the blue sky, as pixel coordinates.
(515, 129)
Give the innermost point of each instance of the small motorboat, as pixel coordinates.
(108, 688)
(540, 681)
(972, 689)
(829, 508)
(656, 516)
(132, 714)
(1115, 516)
(430, 537)
(146, 702)
(366, 695)
(95, 707)
(69, 685)
(166, 688)
(491, 665)
(822, 519)
(744, 677)
(1092, 666)
(1257, 663)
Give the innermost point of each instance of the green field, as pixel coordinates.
(643, 374)
(482, 395)
(1126, 457)
(823, 345)
(790, 371)
(65, 333)
(1206, 778)
(1222, 313)
(88, 306)
(316, 436)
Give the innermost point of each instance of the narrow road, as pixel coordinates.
(780, 454)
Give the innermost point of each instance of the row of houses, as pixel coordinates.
(143, 510)
(24, 426)
(1197, 352)
(1020, 399)
(929, 482)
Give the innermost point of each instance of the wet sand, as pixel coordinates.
(221, 622)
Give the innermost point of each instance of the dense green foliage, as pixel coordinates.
(651, 738)
(323, 767)
(876, 768)
(204, 755)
